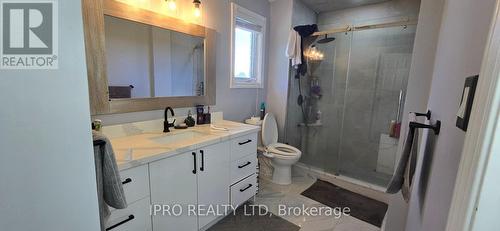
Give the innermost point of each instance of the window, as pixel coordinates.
(247, 48)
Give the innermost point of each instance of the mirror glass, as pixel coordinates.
(145, 61)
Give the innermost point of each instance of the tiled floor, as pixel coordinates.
(272, 195)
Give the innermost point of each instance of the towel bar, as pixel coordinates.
(436, 127)
(428, 114)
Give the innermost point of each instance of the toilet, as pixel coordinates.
(282, 156)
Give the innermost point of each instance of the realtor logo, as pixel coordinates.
(29, 34)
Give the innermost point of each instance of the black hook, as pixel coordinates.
(428, 114)
(436, 127)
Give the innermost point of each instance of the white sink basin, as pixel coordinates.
(177, 137)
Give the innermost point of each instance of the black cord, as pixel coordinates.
(302, 101)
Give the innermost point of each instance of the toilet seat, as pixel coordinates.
(283, 150)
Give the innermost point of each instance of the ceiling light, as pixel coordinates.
(171, 4)
(197, 10)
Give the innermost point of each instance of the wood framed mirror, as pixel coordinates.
(139, 60)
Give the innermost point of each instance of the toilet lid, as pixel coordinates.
(269, 130)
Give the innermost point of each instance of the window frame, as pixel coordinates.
(257, 69)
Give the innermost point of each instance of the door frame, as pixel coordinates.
(481, 137)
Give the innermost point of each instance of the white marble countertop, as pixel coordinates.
(147, 146)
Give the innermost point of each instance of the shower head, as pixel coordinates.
(326, 39)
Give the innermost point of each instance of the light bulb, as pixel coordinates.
(197, 11)
(171, 4)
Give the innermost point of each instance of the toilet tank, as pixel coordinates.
(256, 122)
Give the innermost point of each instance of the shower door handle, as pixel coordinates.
(400, 102)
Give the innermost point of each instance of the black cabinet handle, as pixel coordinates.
(130, 217)
(246, 142)
(126, 181)
(242, 166)
(194, 158)
(245, 189)
(202, 168)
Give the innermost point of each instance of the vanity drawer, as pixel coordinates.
(134, 218)
(135, 183)
(243, 167)
(243, 190)
(243, 145)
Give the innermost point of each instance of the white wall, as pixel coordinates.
(302, 15)
(417, 94)
(277, 90)
(237, 104)
(488, 203)
(285, 14)
(46, 157)
(373, 13)
(462, 39)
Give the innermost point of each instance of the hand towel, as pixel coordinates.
(294, 49)
(403, 177)
(304, 32)
(109, 186)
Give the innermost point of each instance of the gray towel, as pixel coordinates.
(403, 177)
(109, 185)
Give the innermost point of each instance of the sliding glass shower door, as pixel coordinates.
(378, 73)
(351, 103)
(314, 125)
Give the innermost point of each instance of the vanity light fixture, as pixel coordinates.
(171, 4)
(197, 10)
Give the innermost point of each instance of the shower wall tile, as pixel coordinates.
(355, 126)
(386, 104)
(359, 100)
(339, 94)
(361, 155)
(362, 79)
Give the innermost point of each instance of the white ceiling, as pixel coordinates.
(331, 5)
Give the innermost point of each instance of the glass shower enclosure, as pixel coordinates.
(348, 117)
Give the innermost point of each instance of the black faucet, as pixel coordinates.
(166, 124)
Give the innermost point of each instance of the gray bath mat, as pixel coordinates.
(363, 208)
(242, 222)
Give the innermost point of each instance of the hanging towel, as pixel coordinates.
(304, 31)
(109, 185)
(403, 177)
(294, 49)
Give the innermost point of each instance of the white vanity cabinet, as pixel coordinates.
(213, 179)
(162, 193)
(136, 216)
(199, 177)
(173, 182)
(243, 169)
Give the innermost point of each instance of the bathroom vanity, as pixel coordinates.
(200, 166)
